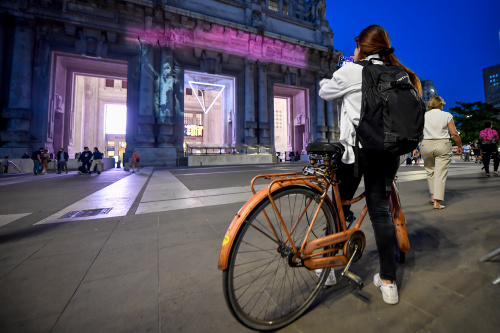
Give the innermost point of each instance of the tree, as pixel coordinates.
(470, 118)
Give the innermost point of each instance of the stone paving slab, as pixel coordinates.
(157, 271)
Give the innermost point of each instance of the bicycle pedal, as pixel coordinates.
(353, 279)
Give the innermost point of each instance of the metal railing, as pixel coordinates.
(226, 150)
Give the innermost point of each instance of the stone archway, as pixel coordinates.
(292, 114)
(78, 93)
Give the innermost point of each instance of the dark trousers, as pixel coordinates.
(379, 171)
(490, 151)
(37, 167)
(86, 166)
(62, 166)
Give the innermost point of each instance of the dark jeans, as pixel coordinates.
(62, 166)
(86, 167)
(37, 167)
(490, 151)
(379, 171)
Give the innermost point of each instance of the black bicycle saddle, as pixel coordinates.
(320, 148)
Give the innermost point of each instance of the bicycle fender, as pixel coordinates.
(399, 220)
(239, 219)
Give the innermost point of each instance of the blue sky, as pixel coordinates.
(448, 42)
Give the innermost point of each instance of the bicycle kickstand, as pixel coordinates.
(350, 276)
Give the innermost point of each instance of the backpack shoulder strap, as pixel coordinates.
(368, 62)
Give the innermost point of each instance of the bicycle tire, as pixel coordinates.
(263, 290)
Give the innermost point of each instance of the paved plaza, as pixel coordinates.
(147, 260)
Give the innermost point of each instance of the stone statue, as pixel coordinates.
(318, 10)
(59, 103)
(322, 10)
(257, 21)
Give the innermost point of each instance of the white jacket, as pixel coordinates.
(346, 84)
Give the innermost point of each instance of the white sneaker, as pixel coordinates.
(331, 280)
(389, 291)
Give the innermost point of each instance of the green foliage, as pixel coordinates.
(470, 118)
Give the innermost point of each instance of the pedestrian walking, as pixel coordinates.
(96, 161)
(45, 161)
(36, 156)
(436, 148)
(62, 161)
(489, 147)
(466, 149)
(5, 165)
(136, 160)
(416, 156)
(476, 150)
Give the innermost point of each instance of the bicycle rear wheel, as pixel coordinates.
(263, 287)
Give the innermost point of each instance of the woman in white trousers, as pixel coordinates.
(436, 148)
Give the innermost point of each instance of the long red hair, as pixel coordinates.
(375, 40)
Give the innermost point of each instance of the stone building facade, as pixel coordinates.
(491, 82)
(57, 56)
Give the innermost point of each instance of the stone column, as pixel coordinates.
(2, 50)
(178, 116)
(17, 115)
(41, 93)
(250, 123)
(133, 101)
(321, 127)
(145, 119)
(264, 134)
(133, 87)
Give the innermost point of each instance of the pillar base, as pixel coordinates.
(155, 156)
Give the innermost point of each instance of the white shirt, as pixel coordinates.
(346, 84)
(436, 124)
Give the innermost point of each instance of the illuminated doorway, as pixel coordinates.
(80, 88)
(291, 120)
(209, 103)
(115, 130)
(100, 109)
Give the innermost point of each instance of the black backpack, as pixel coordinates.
(392, 112)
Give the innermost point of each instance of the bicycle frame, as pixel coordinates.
(333, 242)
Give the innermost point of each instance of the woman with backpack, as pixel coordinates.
(372, 43)
(436, 148)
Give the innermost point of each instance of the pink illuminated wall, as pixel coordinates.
(228, 40)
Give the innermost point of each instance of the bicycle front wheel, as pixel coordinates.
(264, 288)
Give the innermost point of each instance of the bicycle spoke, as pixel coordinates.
(264, 286)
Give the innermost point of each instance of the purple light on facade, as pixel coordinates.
(228, 40)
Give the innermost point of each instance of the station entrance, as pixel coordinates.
(86, 93)
(291, 121)
(209, 104)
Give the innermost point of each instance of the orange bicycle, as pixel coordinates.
(278, 251)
